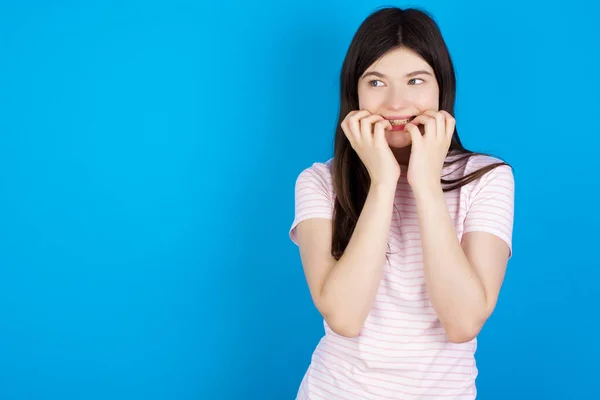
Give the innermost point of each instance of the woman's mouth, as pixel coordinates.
(398, 124)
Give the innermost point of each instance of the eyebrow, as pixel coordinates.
(409, 75)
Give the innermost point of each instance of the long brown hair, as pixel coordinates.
(384, 30)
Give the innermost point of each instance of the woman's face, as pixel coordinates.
(399, 86)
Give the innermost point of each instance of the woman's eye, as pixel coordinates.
(411, 82)
(374, 82)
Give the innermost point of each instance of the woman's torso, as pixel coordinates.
(402, 351)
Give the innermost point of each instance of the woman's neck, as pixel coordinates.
(402, 155)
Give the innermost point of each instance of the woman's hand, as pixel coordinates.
(429, 149)
(366, 133)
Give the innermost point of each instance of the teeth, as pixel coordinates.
(400, 121)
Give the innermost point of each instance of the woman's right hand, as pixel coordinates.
(366, 133)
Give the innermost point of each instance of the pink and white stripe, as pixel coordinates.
(402, 351)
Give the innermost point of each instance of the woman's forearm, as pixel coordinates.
(352, 284)
(456, 293)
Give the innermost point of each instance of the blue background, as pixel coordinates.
(148, 155)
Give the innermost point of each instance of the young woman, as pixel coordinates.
(404, 235)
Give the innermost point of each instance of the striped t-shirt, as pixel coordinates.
(402, 351)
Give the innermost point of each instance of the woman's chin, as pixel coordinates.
(398, 139)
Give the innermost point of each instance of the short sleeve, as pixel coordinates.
(313, 196)
(491, 205)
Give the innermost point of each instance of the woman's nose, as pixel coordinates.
(396, 99)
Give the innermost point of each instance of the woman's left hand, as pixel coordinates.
(429, 150)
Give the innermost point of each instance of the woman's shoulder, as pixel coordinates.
(467, 163)
(317, 176)
(318, 170)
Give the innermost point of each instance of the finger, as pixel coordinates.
(354, 123)
(450, 124)
(429, 124)
(440, 121)
(345, 124)
(357, 114)
(379, 132)
(345, 127)
(415, 134)
(366, 127)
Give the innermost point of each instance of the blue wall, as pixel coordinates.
(148, 155)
